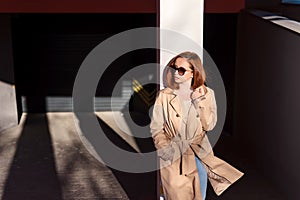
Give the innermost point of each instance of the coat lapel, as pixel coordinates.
(193, 117)
(175, 104)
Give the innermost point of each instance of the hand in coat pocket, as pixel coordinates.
(166, 153)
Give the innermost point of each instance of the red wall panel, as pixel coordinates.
(78, 6)
(107, 6)
(223, 6)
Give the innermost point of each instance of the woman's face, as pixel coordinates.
(178, 76)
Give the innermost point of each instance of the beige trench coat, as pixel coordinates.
(177, 152)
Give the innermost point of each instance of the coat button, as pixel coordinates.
(177, 115)
(197, 116)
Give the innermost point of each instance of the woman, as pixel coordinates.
(183, 112)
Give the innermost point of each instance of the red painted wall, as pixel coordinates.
(78, 6)
(107, 6)
(223, 6)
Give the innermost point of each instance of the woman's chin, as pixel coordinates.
(177, 80)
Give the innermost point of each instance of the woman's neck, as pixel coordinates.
(185, 86)
(184, 90)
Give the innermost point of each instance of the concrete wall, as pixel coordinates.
(267, 100)
(8, 106)
(173, 16)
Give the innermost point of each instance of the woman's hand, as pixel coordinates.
(199, 92)
(198, 138)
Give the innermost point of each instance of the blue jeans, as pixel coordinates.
(202, 176)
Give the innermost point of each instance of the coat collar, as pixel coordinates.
(174, 101)
(171, 92)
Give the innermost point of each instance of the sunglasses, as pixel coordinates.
(181, 70)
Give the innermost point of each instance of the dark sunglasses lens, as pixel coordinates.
(181, 71)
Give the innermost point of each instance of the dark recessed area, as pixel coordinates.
(49, 49)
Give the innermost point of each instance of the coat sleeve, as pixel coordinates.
(157, 124)
(208, 110)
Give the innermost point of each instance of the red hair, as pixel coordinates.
(199, 75)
